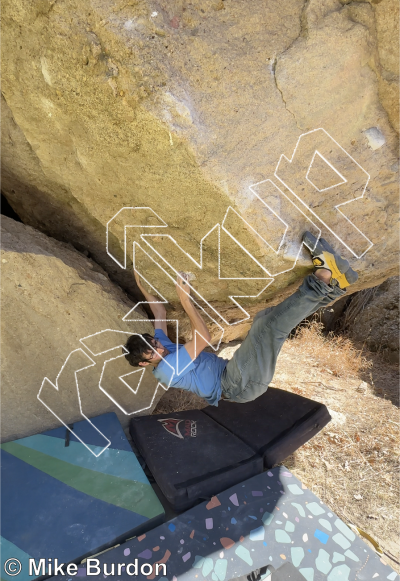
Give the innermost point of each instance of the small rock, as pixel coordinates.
(358, 497)
(338, 419)
(375, 138)
(362, 387)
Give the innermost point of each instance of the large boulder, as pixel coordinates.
(373, 318)
(180, 107)
(52, 297)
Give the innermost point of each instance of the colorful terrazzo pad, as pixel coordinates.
(271, 525)
(58, 500)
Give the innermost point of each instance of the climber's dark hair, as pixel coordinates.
(137, 348)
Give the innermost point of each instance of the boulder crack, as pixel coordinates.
(273, 71)
(303, 33)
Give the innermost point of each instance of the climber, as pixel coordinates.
(248, 374)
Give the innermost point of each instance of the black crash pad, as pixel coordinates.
(191, 456)
(274, 425)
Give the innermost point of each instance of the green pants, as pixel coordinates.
(252, 367)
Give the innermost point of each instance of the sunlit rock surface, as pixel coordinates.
(51, 298)
(181, 107)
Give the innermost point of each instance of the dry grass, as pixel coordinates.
(352, 465)
(178, 400)
(335, 353)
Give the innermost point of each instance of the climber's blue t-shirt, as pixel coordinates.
(201, 376)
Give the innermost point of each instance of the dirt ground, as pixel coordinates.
(352, 464)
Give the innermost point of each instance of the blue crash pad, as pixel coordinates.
(58, 500)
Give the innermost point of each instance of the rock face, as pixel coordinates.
(51, 298)
(180, 107)
(376, 321)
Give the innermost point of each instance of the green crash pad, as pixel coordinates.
(62, 499)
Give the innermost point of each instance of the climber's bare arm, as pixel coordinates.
(200, 333)
(156, 307)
